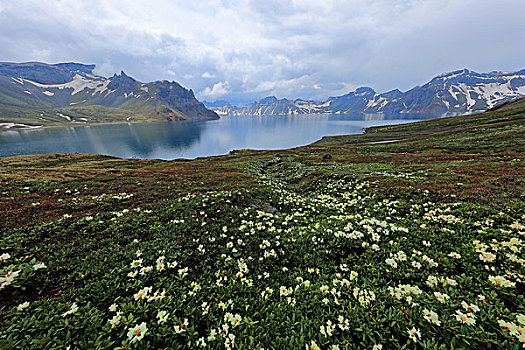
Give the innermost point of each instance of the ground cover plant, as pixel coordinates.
(413, 244)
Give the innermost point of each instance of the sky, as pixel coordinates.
(242, 51)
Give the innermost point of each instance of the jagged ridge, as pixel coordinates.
(75, 89)
(458, 92)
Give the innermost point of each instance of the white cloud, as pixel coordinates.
(218, 90)
(270, 47)
(105, 69)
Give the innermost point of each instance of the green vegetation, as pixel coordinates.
(417, 243)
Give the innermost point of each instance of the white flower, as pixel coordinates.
(442, 297)
(229, 341)
(113, 307)
(162, 316)
(431, 316)
(212, 335)
(454, 255)
(137, 333)
(4, 257)
(414, 334)
(39, 266)
(467, 318)
(72, 309)
(115, 320)
(201, 342)
(179, 329)
(136, 263)
(377, 347)
(501, 281)
(22, 306)
(312, 346)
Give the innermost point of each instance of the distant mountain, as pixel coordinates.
(458, 92)
(73, 92)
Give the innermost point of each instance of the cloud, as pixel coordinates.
(287, 48)
(218, 90)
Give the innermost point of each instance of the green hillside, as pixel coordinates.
(349, 243)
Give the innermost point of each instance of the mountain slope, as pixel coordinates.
(459, 92)
(44, 94)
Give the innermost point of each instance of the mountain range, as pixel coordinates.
(40, 93)
(459, 92)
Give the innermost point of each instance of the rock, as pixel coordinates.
(327, 156)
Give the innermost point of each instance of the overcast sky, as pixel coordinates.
(245, 50)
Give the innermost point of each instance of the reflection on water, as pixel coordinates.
(193, 138)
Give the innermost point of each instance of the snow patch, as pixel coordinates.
(48, 93)
(28, 92)
(78, 84)
(18, 125)
(64, 116)
(18, 80)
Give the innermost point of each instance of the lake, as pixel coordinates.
(191, 139)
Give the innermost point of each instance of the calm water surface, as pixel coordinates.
(193, 138)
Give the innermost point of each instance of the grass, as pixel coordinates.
(412, 244)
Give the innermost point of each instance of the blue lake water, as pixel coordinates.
(191, 139)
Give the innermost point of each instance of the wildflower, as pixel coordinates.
(454, 255)
(312, 346)
(39, 266)
(391, 262)
(162, 316)
(377, 347)
(145, 270)
(136, 263)
(137, 333)
(467, 318)
(431, 316)
(229, 341)
(205, 308)
(72, 309)
(343, 323)
(501, 281)
(115, 320)
(212, 335)
(414, 334)
(22, 306)
(442, 297)
(487, 256)
(431, 281)
(113, 307)
(143, 293)
(201, 342)
(521, 319)
(179, 329)
(470, 307)
(4, 257)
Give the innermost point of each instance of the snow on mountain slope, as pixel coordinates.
(458, 92)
